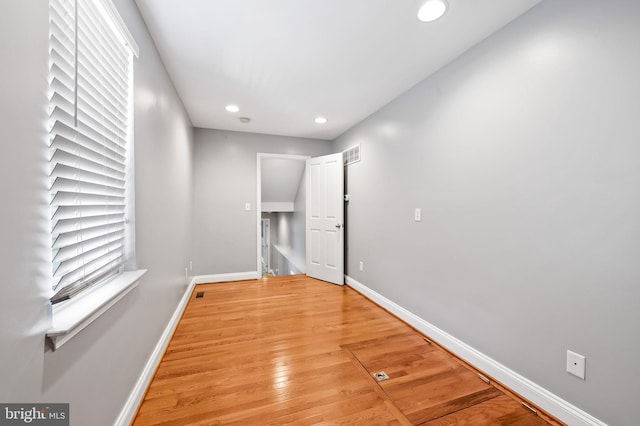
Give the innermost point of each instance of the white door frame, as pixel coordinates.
(259, 158)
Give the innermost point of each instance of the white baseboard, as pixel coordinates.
(544, 399)
(130, 407)
(234, 276)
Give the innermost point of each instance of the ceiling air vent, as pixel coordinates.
(351, 155)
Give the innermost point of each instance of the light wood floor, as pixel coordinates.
(294, 350)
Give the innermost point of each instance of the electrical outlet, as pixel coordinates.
(417, 214)
(191, 265)
(576, 364)
(361, 267)
(247, 206)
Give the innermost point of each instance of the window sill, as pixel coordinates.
(70, 317)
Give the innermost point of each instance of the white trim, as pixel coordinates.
(277, 206)
(233, 276)
(544, 399)
(131, 405)
(259, 211)
(111, 11)
(72, 316)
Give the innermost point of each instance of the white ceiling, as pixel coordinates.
(284, 62)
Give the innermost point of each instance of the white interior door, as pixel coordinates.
(325, 218)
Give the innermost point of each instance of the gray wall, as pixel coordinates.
(282, 227)
(291, 232)
(24, 213)
(224, 238)
(524, 156)
(288, 229)
(96, 370)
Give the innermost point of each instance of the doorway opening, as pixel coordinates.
(265, 254)
(281, 199)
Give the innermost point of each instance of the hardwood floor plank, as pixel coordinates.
(392, 407)
(498, 411)
(294, 350)
(424, 383)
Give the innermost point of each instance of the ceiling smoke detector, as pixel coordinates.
(245, 120)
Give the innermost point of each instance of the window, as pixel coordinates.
(91, 69)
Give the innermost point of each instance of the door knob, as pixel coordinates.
(338, 225)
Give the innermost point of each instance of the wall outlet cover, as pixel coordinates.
(576, 364)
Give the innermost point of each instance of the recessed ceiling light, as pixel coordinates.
(321, 120)
(232, 108)
(432, 10)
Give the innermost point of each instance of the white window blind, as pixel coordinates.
(90, 84)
